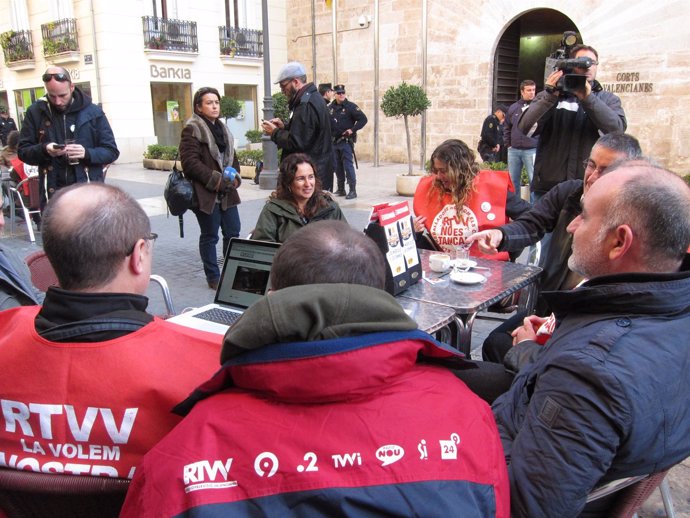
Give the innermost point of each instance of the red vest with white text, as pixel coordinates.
(93, 408)
(485, 208)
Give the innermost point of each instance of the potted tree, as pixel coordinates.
(405, 101)
(229, 107)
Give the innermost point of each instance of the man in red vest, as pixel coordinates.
(90, 377)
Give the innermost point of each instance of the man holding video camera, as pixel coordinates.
(569, 115)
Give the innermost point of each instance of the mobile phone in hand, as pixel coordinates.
(58, 146)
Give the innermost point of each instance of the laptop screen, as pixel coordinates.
(246, 272)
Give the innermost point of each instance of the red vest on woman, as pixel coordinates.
(484, 209)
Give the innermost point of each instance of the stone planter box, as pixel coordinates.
(160, 164)
(247, 171)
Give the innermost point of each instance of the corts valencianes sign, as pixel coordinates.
(628, 83)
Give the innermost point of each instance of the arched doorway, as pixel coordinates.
(522, 50)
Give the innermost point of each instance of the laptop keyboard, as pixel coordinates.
(219, 316)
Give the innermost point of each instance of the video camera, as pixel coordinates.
(560, 60)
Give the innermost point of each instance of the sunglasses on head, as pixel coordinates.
(59, 76)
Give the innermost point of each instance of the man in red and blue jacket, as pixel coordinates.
(329, 403)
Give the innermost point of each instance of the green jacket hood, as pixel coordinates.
(315, 312)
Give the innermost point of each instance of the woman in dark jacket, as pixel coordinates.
(297, 200)
(206, 149)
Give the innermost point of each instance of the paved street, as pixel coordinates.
(177, 260)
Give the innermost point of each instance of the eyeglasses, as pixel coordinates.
(340, 93)
(283, 84)
(590, 164)
(151, 238)
(59, 76)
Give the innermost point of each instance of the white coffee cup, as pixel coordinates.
(439, 262)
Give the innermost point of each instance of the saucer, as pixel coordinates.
(468, 263)
(467, 277)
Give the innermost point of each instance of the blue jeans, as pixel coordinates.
(518, 158)
(226, 220)
(345, 166)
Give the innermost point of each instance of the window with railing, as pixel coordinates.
(168, 34)
(240, 42)
(17, 46)
(60, 36)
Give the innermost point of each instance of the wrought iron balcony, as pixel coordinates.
(168, 34)
(240, 42)
(17, 46)
(59, 37)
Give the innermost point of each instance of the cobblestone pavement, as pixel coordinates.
(177, 260)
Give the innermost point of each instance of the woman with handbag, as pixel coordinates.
(206, 151)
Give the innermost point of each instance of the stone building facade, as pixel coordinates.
(477, 51)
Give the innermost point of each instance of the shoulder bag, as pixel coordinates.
(179, 194)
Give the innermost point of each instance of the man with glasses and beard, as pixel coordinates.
(66, 135)
(309, 128)
(91, 365)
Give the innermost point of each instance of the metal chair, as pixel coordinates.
(43, 277)
(27, 494)
(167, 297)
(629, 494)
(34, 201)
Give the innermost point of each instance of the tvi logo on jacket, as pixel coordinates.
(389, 454)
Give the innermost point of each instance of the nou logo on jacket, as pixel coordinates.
(389, 454)
(206, 475)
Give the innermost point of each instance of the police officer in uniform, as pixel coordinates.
(7, 125)
(491, 142)
(346, 120)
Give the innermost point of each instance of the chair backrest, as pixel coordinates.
(26, 494)
(167, 297)
(42, 274)
(627, 495)
(632, 497)
(34, 192)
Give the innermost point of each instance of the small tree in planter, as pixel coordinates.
(229, 108)
(405, 101)
(254, 136)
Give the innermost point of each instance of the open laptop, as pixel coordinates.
(243, 281)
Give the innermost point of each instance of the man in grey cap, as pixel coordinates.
(309, 128)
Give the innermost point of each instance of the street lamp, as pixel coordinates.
(269, 175)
